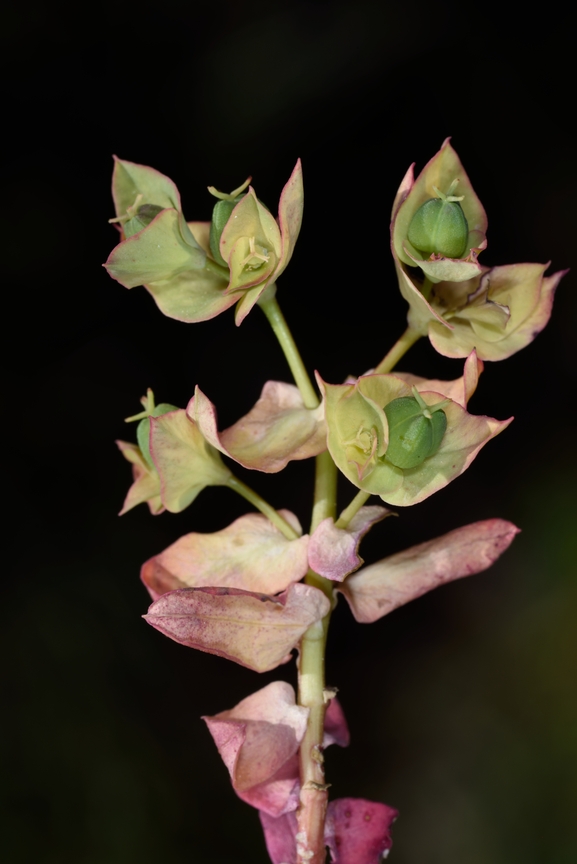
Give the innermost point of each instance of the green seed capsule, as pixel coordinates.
(220, 216)
(143, 217)
(143, 430)
(415, 430)
(439, 226)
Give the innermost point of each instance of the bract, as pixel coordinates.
(146, 485)
(356, 831)
(501, 312)
(259, 739)
(257, 247)
(169, 255)
(379, 588)
(333, 552)
(439, 174)
(255, 630)
(185, 461)
(358, 438)
(278, 429)
(251, 554)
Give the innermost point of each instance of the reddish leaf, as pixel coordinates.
(333, 551)
(255, 630)
(358, 831)
(376, 590)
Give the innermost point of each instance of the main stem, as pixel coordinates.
(312, 694)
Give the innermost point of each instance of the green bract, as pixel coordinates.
(221, 213)
(448, 238)
(497, 313)
(192, 275)
(143, 430)
(142, 217)
(360, 434)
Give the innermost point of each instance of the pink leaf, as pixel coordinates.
(278, 429)
(255, 630)
(258, 741)
(250, 554)
(336, 729)
(333, 551)
(279, 836)
(358, 831)
(379, 588)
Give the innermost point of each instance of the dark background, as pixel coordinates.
(463, 705)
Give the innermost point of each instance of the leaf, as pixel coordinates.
(158, 252)
(255, 630)
(258, 741)
(333, 551)
(379, 588)
(276, 430)
(185, 461)
(358, 831)
(251, 554)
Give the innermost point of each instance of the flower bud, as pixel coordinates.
(415, 430)
(439, 227)
(220, 216)
(143, 430)
(143, 217)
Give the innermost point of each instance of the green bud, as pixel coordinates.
(439, 226)
(143, 217)
(415, 430)
(220, 216)
(143, 430)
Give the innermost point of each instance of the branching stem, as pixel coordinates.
(283, 526)
(280, 329)
(398, 350)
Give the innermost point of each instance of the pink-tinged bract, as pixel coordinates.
(255, 630)
(146, 485)
(357, 831)
(258, 741)
(278, 429)
(251, 554)
(378, 589)
(333, 552)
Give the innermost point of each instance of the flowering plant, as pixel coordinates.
(260, 588)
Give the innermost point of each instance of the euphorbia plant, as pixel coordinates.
(260, 588)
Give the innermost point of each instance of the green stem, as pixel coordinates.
(400, 348)
(352, 509)
(280, 329)
(250, 495)
(311, 688)
(325, 500)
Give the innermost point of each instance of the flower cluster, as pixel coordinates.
(260, 588)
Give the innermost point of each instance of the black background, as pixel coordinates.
(462, 705)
